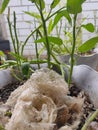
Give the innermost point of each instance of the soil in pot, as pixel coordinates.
(88, 108)
(6, 91)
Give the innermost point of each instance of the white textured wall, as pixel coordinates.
(23, 27)
(90, 7)
(90, 12)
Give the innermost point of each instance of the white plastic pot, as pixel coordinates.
(6, 77)
(86, 78)
(90, 60)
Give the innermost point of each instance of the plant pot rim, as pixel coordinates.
(85, 55)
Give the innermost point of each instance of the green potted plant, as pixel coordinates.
(84, 56)
(50, 41)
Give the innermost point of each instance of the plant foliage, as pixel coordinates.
(88, 45)
(4, 5)
(74, 6)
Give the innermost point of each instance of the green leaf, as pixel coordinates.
(11, 62)
(17, 56)
(38, 2)
(33, 14)
(2, 53)
(8, 63)
(4, 66)
(89, 27)
(4, 5)
(51, 39)
(25, 68)
(42, 3)
(50, 26)
(54, 3)
(41, 51)
(74, 6)
(60, 15)
(88, 45)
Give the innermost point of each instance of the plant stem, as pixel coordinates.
(60, 27)
(73, 49)
(89, 120)
(17, 42)
(14, 40)
(45, 34)
(36, 49)
(10, 29)
(39, 28)
(37, 55)
(55, 58)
